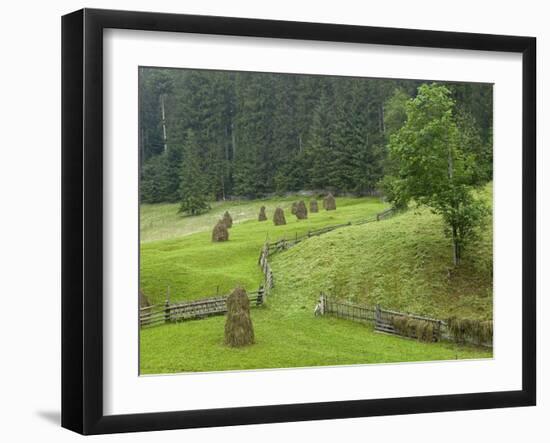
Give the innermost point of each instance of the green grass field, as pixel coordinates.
(402, 263)
(193, 267)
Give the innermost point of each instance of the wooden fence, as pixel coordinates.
(192, 310)
(384, 320)
(346, 310)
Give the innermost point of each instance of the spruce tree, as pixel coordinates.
(193, 195)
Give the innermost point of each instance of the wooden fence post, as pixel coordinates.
(377, 315)
(261, 296)
(167, 311)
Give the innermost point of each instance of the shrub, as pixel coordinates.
(279, 217)
(238, 325)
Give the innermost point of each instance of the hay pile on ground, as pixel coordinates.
(313, 206)
(143, 300)
(279, 217)
(220, 232)
(301, 210)
(329, 202)
(462, 329)
(413, 328)
(227, 219)
(261, 215)
(294, 207)
(238, 325)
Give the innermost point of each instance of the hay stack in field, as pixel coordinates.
(227, 219)
(143, 300)
(313, 206)
(294, 207)
(279, 217)
(301, 210)
(220, 232)
(261, 215)
(329, 202)
(238, 325)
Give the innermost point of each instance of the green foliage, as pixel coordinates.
(434, 167)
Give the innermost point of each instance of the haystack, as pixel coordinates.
(279, 217)
(143, 300)
(261, 215)
(294, 207)
(220, 232)
(313, 206)
(227, 219)
(329, 203)
(238, 325)
(301, 210)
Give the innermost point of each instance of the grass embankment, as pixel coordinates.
(403, 263)
(400, 263)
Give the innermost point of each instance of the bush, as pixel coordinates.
(220, 232)
(279, 217)
(238, 325)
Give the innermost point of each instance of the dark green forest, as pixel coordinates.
(221, 135)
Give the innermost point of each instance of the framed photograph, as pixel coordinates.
(269, 221)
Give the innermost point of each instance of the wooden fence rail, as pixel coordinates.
(191, 310)
(384, 320)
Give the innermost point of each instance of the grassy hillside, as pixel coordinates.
(195, 267)
(403, 263)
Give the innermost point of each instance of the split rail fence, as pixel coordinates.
(191, 310)
(384, 319)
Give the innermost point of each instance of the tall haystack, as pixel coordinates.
(261, 215)
(227, 219)
(238, 325)
(329, 203)
(279, 217)
(143, 300)
(294, 208)
(301, 210)
(220, 232)
(313, 206)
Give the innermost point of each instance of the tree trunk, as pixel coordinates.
(163, 122)
(456, 248)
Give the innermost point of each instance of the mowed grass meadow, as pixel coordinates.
(402, 263)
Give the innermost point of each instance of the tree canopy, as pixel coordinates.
(437, 163)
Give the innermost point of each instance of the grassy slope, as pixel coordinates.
(415, 255)
(402, 263)
(194, 267)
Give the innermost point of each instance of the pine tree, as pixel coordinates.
(193, 195)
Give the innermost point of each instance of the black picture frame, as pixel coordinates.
(82, 219)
